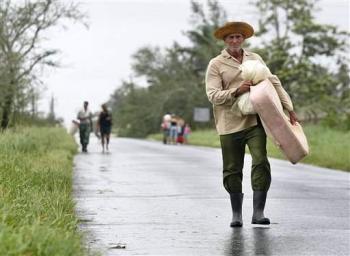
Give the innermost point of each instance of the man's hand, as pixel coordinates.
(243, 88)
(293, 117)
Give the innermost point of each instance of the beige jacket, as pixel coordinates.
(222, 79)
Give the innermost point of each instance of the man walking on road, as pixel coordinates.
(85, 126)
(224, 84)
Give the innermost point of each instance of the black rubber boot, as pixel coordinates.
(259, 199)
(236, 204)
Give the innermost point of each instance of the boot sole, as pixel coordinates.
(261, 222)
(236, 224)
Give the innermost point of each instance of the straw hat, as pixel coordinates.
(234, 28)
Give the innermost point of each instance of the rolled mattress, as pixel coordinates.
(289, 138)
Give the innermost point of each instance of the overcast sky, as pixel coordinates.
(95, 60)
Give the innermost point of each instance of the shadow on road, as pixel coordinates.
(261, 241)
(240, 243)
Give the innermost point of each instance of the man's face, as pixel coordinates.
(86, 104)
(234, 40)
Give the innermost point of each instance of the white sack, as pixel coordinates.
(255, 71)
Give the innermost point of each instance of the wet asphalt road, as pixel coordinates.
(145, 198)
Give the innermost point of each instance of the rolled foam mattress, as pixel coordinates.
(289, 138)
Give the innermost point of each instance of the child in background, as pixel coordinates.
(187, 131)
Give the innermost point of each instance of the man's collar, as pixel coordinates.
(226, 55)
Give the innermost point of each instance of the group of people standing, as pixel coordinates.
(175, 129)
(103, 126)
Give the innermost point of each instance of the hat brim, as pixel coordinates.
(242, 28)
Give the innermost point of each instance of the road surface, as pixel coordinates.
(145, 198)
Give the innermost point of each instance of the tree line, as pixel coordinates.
(311, 60)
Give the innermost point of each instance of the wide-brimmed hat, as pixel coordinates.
(235, 27)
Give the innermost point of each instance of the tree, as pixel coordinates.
(294, 47)
(204, 45)
(22, 26)
(175, 77)
(134, 111)
(309, 58)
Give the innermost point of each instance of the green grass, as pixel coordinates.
(36, 207)
(328, 148)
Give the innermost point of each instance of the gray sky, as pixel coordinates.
(95, 60)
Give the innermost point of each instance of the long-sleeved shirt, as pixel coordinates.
(222, 79)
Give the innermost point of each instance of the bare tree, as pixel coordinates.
(21, 31)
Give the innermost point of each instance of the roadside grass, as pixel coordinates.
(328, 147)
(36, 207)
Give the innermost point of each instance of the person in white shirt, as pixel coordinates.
(85, 126)
(166, 127)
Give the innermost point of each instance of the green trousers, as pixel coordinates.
(84, 132)
(233, 150)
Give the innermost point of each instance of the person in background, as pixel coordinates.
(187, 132)
(85, 126)
(173, 129)
(180, 130)
(224, 84)
(165, 126)
(104, 125)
